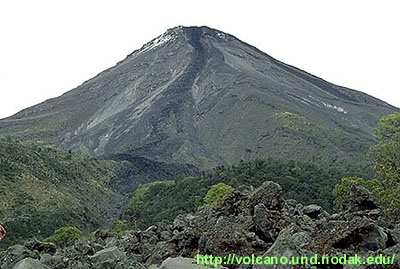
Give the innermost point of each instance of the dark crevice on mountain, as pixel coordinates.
(135, 170)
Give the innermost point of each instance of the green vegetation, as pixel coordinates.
(140, 194)
(308, 183)
(387, 161)
(292, 121)
(120, 227)
(386, 156)
(138, 209)
(217, 193)
(389, 127)
(65, 236)
(43, 189)
(342, 190)
(303, 138)
(305, 182)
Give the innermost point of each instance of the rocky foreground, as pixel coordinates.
(259, 222)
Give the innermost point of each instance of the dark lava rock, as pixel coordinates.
(259, 222)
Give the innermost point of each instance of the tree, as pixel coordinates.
(386, 154)
(388, 127)
(386, 157)
(217, 194)
(342, 189)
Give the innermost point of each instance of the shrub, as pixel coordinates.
(120, 227)
(387, 198)
(342, 190)
(65, 236)
(217, 194)
(388, 127)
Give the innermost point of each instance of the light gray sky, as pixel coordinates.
(48, 47)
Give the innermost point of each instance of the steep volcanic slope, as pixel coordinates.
(199, 96)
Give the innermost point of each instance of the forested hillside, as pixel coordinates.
(42, 189)
(306, 182)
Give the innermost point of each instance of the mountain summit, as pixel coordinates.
(200, 96)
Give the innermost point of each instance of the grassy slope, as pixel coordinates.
(42, 188)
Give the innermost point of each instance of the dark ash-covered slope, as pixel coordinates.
(200, 96)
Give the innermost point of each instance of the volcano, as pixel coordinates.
(199, 96)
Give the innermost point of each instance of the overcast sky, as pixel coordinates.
(48, 47)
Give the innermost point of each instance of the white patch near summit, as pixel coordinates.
(164, 38)
(221, 35)
(337, 108)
